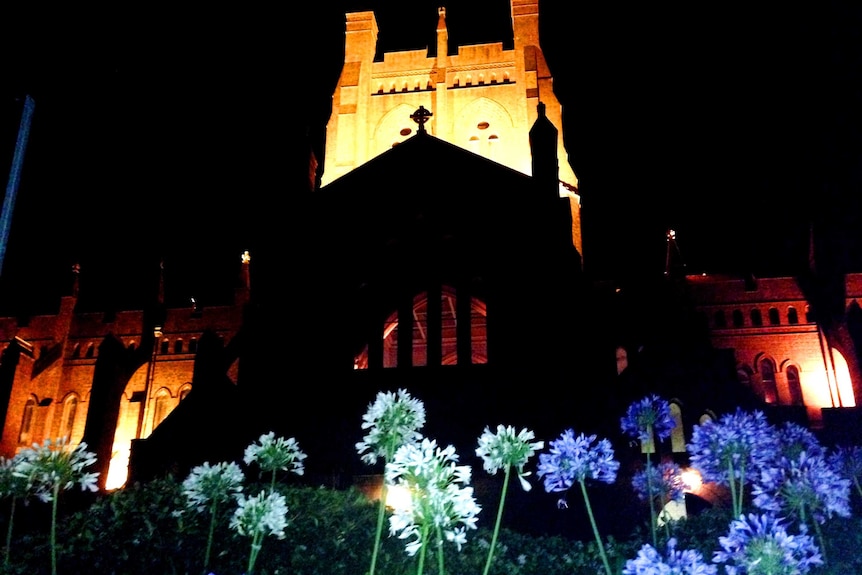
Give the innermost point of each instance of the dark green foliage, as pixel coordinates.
(144, 530)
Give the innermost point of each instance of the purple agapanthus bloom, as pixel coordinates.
(664, 481)
(740, 443)
(807, 486)
(794, 439)
(574, 459)
(760, 545)
(647, 416)
(847, 461)
(650, 562)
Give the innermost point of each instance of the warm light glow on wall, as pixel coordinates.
(398, 497)
(118, 471)
(692, 480)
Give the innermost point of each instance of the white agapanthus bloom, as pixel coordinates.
(440, 496)
(393, 419)
(209, 485)
(262, 514)
(53, 467)
(272, 453)
(506, 448)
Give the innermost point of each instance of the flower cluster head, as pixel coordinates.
(53, 467)
(261, 514)
(743, 442)
(793, 439)
(393, 419)
(506, 448)
(664, 481)
(760, 545)
(575, 459)
(847, 461)
(646, 417)
(650, 562)
(272, 453)
(12, 482)
(807, 486)
(440, 496)
(208, 485)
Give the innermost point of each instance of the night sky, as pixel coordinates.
(159, 132)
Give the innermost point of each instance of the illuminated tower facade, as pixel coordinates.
(483, 98)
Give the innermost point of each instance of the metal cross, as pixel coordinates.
(421, 116)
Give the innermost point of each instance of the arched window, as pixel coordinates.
(792, 316)
(184, 391)
(767, 377)
(25, 436)
(738, 320)
(161, 406)
(76, 352)
(435, 332)
(794, 385)
(91, 350)
(677, 435)
(809, 314)
(193, 345)
(774, 319)
(178, 346)
(756, 318)
(67, 420)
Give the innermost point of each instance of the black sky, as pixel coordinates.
(159, 131)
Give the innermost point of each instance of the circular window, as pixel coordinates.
(482, 125)
(405, 131)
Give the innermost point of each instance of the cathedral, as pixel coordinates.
(440, 252)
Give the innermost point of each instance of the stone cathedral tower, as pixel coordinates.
(483, 98)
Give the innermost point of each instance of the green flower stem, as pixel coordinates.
(499, 519)
(858, 487)
(54, 529)
(595, 528)
(213, 510)
(8, 549)
(381, 514)
(741, 491)
(822, 541)
(255, 549)
(420, 569)
(272, 484)
(732, 482)
(440, 568)
(652, 513)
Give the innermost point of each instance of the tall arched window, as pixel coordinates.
(25, 437)
(774, 318)
(738, 320)
(161, 406)
(67, 420)
(794, 385)
(792, 315)
(437, 333)
(767, 376)
(677, 434)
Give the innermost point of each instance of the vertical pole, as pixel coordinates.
(14, 175)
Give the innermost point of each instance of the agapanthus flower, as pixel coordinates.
(506, 448)
(212, 484)
(261, 514)
(760, 545)
(793, 439)
(53, 467)
(14, 483)
(650, 562)
(572, 459)
(393, 419)
(847, 461)
(802, 487)
(272, 453)
(440, 496)
(663, 480)
(651, 415)
(743, 442)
